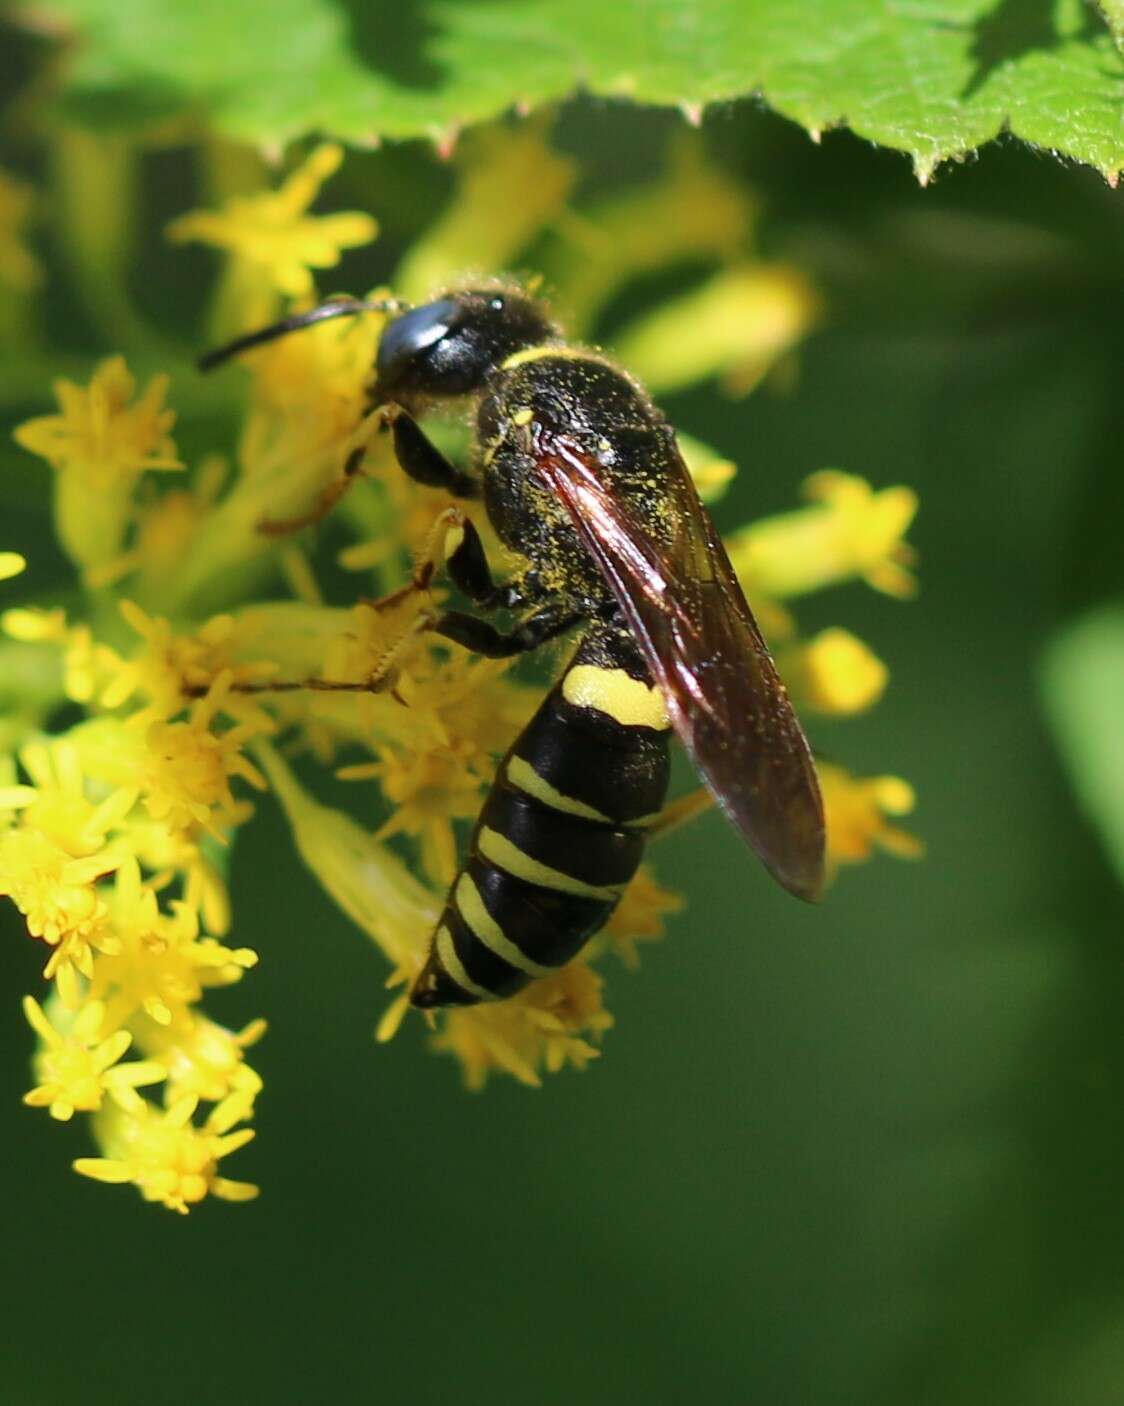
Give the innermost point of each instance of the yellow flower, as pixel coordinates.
(166, 531)
(368, 882)
(58, 897)
(83, 658)
(304, 419)
(850, 531)
(205, 664)
(308, 397)
(834, 673)
(428, 790)
(711, 473)
(543, 1027)
(458, 715)
(187, 769)
(272, 231)
(857, 808)
(203, 1058)
(639, 917)
(57, 804)
(165, 1156)
(100, 443)
(11, 564)
(369, 647)
(166, 852)
(98, 435)
(76, 1069)
(51, 863)
(734, 327)
(162, 965)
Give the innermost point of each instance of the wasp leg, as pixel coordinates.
(454, 544)
(279, 527)
(468, 568)
(483, 638)
(420, 459)
(381, 679)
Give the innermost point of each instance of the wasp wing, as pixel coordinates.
(689, 616)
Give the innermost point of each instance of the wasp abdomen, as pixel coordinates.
(560, 835)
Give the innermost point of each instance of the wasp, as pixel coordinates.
(580, 475)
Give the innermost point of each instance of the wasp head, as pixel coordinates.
(449, 347)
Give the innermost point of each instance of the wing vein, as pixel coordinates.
(686, 610)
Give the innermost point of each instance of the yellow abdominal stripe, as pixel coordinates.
(628, 701)
(488, 931)
(447, 955)
(500, 851)
(522, 775)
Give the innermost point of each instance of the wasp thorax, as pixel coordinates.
(448, 347)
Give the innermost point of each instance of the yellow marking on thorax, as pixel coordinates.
(523, 417)
(628, 701)
(525, 778)
(510, 858)
(447, 955)
(521, 358)
(489, 932)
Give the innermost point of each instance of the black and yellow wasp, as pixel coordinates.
(581, 476)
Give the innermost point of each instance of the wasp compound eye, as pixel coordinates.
(408, 337)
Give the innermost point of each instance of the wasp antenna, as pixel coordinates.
(335, 307)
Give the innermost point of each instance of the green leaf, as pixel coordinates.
(933, 78)
(1083, 685)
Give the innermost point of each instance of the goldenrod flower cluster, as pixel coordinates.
(194, 684)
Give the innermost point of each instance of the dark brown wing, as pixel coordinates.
(686, 609)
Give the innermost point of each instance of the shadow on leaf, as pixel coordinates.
(395, 40)
(1016, 28)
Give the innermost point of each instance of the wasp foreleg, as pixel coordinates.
(329, 497)
(420, 459)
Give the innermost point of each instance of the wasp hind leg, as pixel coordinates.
(468, 569)
(484, 638)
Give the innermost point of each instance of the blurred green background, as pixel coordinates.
(870, 1153)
